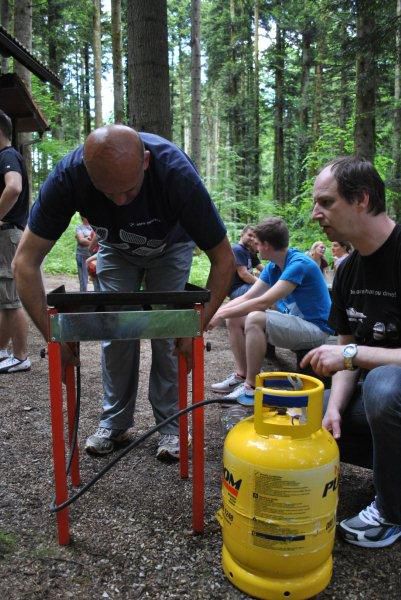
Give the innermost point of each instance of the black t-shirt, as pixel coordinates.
(172, 206)
(367, 295)
(11, 160)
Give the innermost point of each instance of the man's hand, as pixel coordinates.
(69, 356)
(184, 346)
(215, 321)
(325, 360)
(332, 422)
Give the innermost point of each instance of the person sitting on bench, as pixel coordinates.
(293, 283)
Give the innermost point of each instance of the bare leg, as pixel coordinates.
(256, 343)
(5, 335)
(236, 336)
(14, 325)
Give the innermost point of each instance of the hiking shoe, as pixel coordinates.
(12, 364)
(226, 386)
(104, 440)
(168, 449)
(369, 529)
(243, 394)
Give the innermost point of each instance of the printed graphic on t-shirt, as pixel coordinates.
(137, 245)
(367, 294)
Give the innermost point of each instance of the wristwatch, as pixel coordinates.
(349, 353)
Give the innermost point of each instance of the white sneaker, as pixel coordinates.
(169, 447)
(243, 394)
(226, 386)
(14, 365)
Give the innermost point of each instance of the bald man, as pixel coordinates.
(148, 206)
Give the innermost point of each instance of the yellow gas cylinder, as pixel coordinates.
(280, 492)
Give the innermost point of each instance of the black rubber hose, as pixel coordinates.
(56, 508)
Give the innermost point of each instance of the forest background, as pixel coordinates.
(260, 93)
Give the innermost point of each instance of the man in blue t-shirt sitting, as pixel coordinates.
(246, 260)
(291, 282)
(147, 204)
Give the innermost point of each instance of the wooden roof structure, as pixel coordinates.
(15, 98)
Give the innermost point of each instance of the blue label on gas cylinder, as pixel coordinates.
(293, 401)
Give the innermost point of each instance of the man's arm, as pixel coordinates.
(11, 192)
(250, 302)
(328, 359)
(222, 268)
(30, 254)
(343, 383)
(245, 275)
(82, 239)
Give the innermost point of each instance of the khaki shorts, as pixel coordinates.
(293, 333)
(9, 240)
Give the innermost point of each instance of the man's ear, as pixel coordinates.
(363, 200)
(146, 159)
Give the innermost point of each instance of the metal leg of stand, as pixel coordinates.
(71, 411)
(57, 423)
(198, 454)
(183, 420)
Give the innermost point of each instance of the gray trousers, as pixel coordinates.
(120, 359)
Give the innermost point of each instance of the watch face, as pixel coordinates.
(349, 351)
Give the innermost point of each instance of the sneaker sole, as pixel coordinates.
(97, 452)
(167, 457)
(366, 543)
(12, 371)
(116, 444)
(226, 390)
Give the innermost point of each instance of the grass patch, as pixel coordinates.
(7, 543)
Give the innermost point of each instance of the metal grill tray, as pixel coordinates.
(103, 301)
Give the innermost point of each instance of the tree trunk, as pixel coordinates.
(318, 95)
(148, 73)
(397, 104)
(303, 142)
(117, 61)
(365, 122)
(278, 165)
(97, 62)
(23, 33)
(195, 84)
(5, 21)
(181, 92)
(345, 103)
(53, 15)
(86, 90)
(256, 149)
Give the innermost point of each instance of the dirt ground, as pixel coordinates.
(132, 531)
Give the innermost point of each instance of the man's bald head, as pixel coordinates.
(115, 159)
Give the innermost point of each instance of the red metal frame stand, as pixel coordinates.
(58, 435)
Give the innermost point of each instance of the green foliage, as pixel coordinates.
(200, 270)
(61, 258)
(7, 542)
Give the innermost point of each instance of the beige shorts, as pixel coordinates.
(291, 332)
(9, 240)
